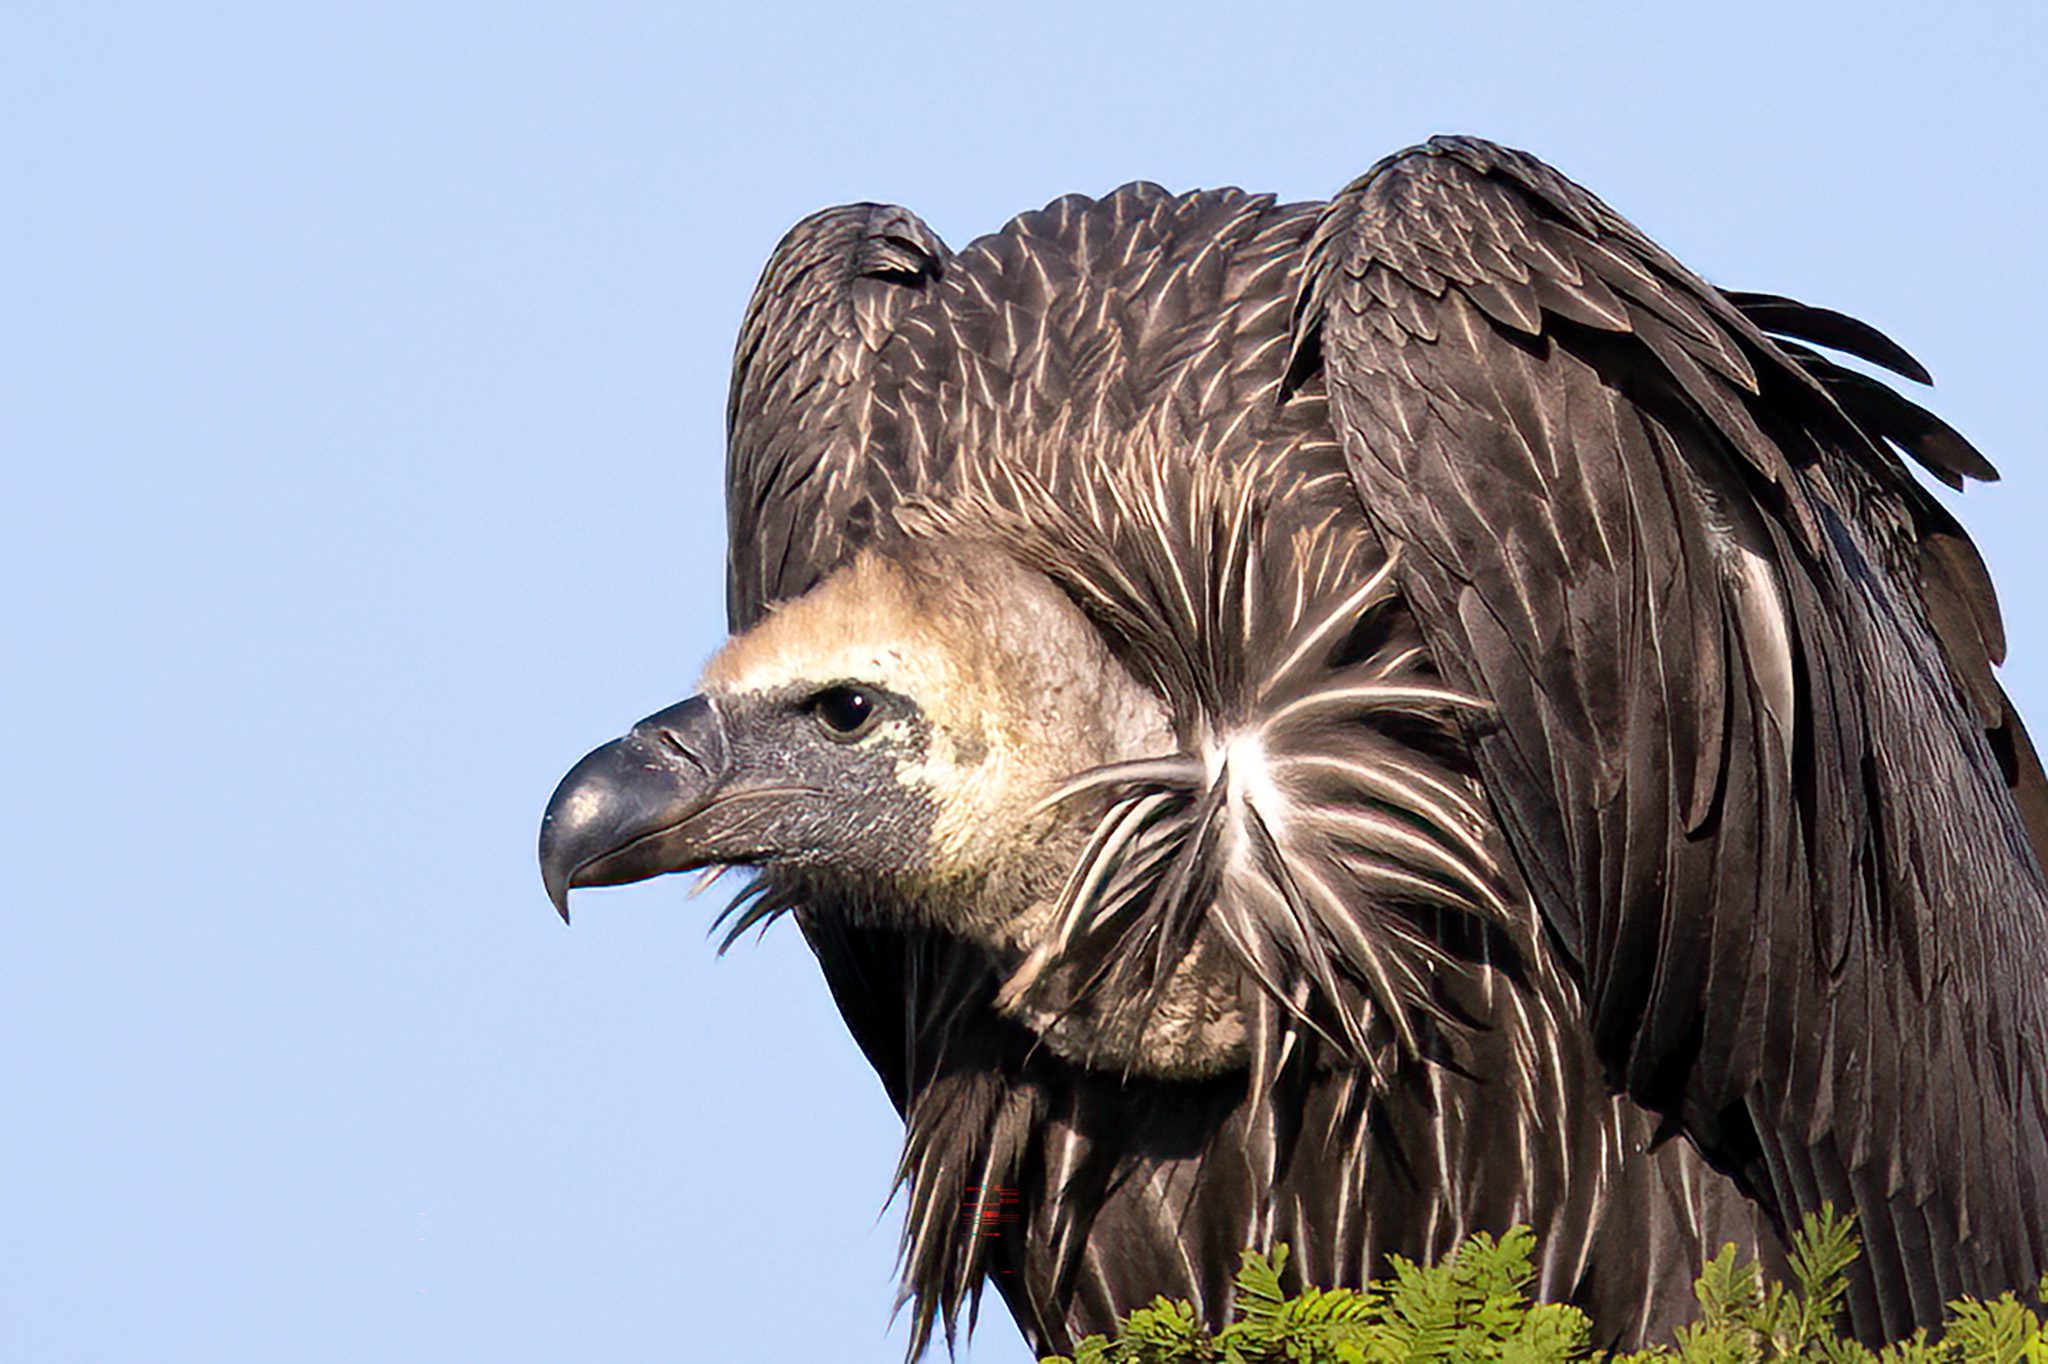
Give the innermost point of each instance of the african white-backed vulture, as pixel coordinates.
(1354, 723)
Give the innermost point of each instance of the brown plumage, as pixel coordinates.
(1359, 723)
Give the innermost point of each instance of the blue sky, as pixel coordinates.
(362, 374)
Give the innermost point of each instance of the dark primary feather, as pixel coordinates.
(1777, 889)
(1783, 317)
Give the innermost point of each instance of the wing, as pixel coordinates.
(1744, 738)
(798, 461)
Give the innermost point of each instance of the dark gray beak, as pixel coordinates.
(627, 811)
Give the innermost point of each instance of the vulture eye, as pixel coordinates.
(844, 712)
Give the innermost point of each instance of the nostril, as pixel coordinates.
(691, 730)
(676, 744)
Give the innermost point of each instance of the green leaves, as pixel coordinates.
(1474, 1308)
(1744, 1318)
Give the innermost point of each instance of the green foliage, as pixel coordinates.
(1475, 1307)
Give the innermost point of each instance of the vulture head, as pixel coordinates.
(897, 733)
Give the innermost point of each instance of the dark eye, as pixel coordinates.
(845, 712)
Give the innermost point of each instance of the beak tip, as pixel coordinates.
(555, 874)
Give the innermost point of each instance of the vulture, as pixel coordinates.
(1358, 723)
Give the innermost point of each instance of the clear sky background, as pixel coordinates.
(362, 373)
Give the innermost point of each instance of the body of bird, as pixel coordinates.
(1356, 723)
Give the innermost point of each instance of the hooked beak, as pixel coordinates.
(635, 807)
